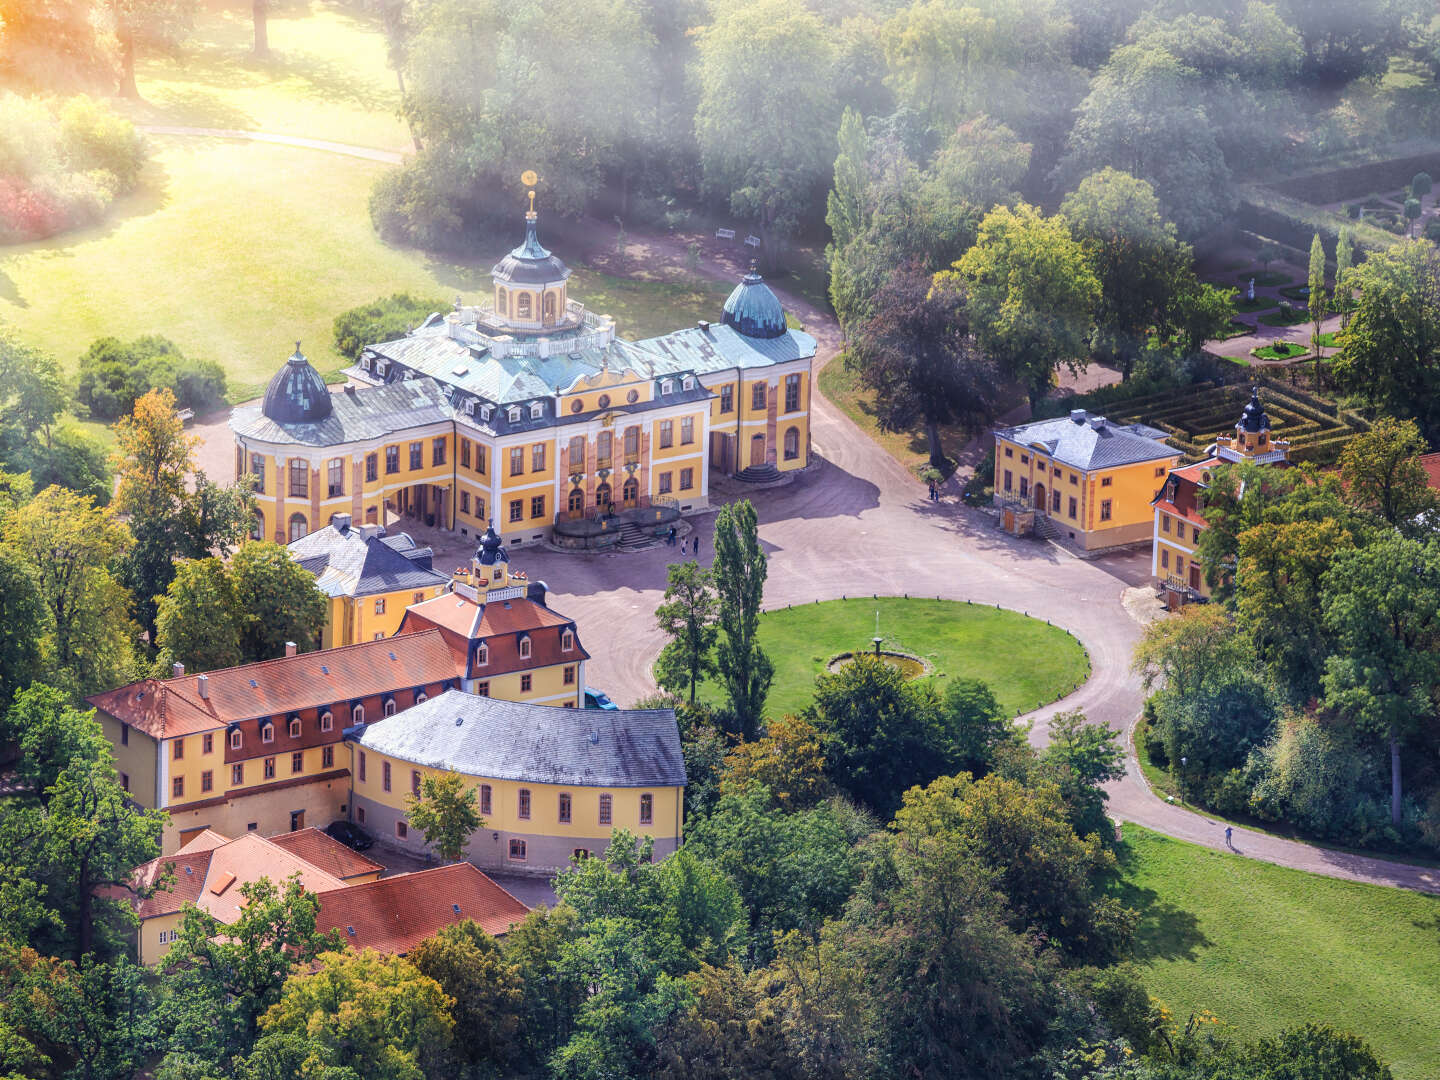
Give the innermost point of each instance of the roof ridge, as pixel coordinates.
(373, 643)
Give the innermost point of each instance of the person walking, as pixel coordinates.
(697, 547)
(932, 492)
(1229, 832)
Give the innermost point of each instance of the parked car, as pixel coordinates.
(598, 699)
(349, 834)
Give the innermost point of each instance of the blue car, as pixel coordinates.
(598, 699)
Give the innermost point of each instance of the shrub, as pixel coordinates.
(1432, 230)
(1287, 309)
(113, 374)
(381, 320)
(1421, 184)
(96, 139)
(1352, 210)
(1316, 778)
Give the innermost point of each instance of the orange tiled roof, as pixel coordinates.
(394, 914)
(168, 707)
(465, 617)
(1431, 464)
(324, 851)
(204, 840)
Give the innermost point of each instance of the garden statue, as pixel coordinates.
(1250, 292)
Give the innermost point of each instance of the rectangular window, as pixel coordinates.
(335, 477)
(380, 605)
(537, 457)
(727, 399)
(647, 809)
(1024, 459)
(522, 807)
(1179, 564)
(464, 502)
(687, 430)
(517, 509)
(1009, 452)
(481, 452)
(569, 674)
(1009, 480)
(1074, 505)
(575, 456)
(757, 396)
(392, 459)
(417, 456)
(177, 787)
(1165, 523)
(1024, 486)
(237, 775)
(1054, 502)
(297, 761)
(663, 483)
(792, 393)
(482, 689)
(269, 768)
(464, 453)
(667, 433)
(362, 766)
(327, 757)
(687, 479)
(525, 683)
(485, 797)
(564, 808)
(1159, 470)
(207, 743)
(1165, 558)
(1105, 481)
(207, 780)
(124, 734)
(179, 751)
(257, 469)
(517, 461)
(415, 782)
(1074, 479)
(299, 479)
(517, 850)
(372, 468)
(402, 830)
(606, 809)
(385, 775)
(537, 506)
(1104, 509)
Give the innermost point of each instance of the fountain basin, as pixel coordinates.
(909, 665)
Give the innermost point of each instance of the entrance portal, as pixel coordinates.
(757, 450)
(630, 493)
(1040, 497)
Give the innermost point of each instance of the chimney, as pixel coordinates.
(177, 669)
(1098, 423)
(704, 325)
(202, 686)
(341, 522)
(1077, 416)
(289, 648)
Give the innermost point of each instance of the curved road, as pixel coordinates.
(858, 523)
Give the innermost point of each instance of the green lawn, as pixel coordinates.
(958, 639)
(1264, 948)
(1279, 318)
(1283, 350)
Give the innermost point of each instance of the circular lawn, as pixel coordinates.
(1026, 662)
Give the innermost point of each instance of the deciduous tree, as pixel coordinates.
(687, 618)
(1381, 473)
(1316, 301)
(198, 619)
(278, 601)
(471, 969)
(446, 813)
(23, 622)
(788, 760)
(739, 570)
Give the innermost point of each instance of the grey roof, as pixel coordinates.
(351, 563)
(357, 414)
(297, 394)
(530, 263)
(541, 744)
(1254, 418)
(1091, 442)
(752, 309)
(719, 347)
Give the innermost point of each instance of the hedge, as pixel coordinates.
(1357, 181)
(1294, 223)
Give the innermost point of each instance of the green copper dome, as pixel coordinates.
(753, 310)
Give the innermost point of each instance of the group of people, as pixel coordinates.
(691, 545)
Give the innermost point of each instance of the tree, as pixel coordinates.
(739, 571)
(1183, 650)
(1381, 473)
(1313, 1051)
(918, 355)
(69, 545)
(983, 163)
(1421, 185)
(447, 813)
(1031, 293)
(114, 374)
(1412, 214)
(1391, 357)
(32, 394)
(978, 728)
(687, 618)
(1316, 301)
(382, 320)
(278, 601)
(766, 116)
(1343, 43)
(788, 761)
(551, 993)
(1344, 294)
(22, 625)
(197, 622)
(51, 735)
(372, 1013)
(147, 24)
(847, 207)
(471, 969)
(1382, 603)
(219, 978)
(1082, 757)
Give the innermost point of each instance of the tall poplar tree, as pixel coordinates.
(1316, 301)
(740, 570)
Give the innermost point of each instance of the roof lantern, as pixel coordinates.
(491, 550)
(530, 263)
(297, 394)
(753, 310)
(1254, 418)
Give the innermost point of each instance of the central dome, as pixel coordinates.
(530, 263)
(297, 394)
(753, 310)
(1254, 418)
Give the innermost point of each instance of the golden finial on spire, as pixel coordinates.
(529, 179)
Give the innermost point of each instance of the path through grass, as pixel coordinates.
(1265, 947)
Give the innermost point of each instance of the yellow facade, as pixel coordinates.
(156, 936)
(367, 618)
(1176, 556)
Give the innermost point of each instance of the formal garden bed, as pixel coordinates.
(1265, 278)
(1288, 315)
(952, 638)
(1280, 350)
(1260, 303)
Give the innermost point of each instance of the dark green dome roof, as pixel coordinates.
(753, 310)
(297, 394)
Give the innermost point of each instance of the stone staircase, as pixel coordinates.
(758, 474)
(634, 538)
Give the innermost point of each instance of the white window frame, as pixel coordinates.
(357, 714)
(514, 414)
(537, 410)
(327, 720)
(267, 732)
(667, 386)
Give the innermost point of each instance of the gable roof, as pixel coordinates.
(542, 744)
(164, 708)
(360, 561)
(1091, 442)
(394, 914)
(321, 850)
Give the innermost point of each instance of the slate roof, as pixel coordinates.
(165, 708)
(541, 744)
(720, 348)
(297, 393)
(354, 561)
(530, 263)
(395, 914)
(753, 309)
(356, 415)
(1091, 442)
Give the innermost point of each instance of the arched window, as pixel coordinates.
(549, 307)
(522, 306)
(357, 714)
(630, 491)
(482, 654)
(267, 732)
(525, 648)
(792, 443)
(604, 449)
(502, 307)
(390, 706)
(567, 641)
(295, 728)
(576, 502)
(237, 739)
(299, 526)
(327, 721)
(422, 696)
(602, 496)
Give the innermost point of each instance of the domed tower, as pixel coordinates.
(530, 282)
(297, 394)
(753, 310)
(1252, 441)
(490, 569)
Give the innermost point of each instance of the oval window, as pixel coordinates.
(577, 405)
(633, 396)
(604, 401)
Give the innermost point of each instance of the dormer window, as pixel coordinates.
(485, 411)
(365, 363)
(357, 715)
(267, 732)
(688, 383)
(382, 366)
(470, 407)
(567, 641)
(525, 647)
(295, 728)
(390, 706)
(537, 410)
(514, 414)
(327, 721)
(237, 739)
(667, 386)
(482, 654)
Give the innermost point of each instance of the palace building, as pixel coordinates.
(528, 410)
(1178, 521)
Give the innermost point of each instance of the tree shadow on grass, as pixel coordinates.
(1163, 930)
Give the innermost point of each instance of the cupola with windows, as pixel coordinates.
(1252, 440)
(753, 310)
(297, 394)
(530, 282)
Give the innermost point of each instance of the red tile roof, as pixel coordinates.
(396, 913)
(168, 707)
(499, 623)
(322, 850)
(1431, 464)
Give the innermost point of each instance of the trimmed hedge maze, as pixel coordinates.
(1317, 428)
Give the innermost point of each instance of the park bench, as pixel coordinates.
(752, 241)
(185, 415)
(724, 234)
